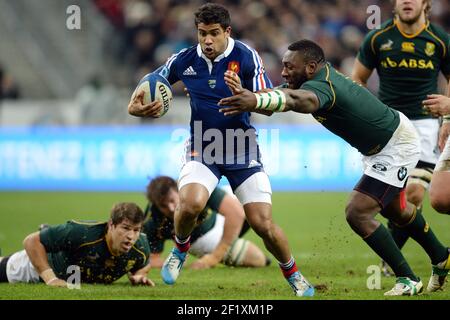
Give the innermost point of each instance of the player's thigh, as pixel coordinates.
(250, 186)
(199, 173)
(395, 162)
(440, 185)
(196, 183)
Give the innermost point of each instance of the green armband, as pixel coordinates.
(271, 101)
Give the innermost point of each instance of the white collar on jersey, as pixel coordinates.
(225, 54)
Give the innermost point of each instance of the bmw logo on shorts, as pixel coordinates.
(402, 173)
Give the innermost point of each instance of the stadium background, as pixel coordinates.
(65, 131)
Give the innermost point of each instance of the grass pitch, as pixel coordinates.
(328, 253)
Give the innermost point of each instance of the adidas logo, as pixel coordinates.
(254, 163)
(189, 72)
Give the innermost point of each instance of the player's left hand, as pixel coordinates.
(139, 279)
(205, 262)
(437, 105)
(242, 102)
(233, 82)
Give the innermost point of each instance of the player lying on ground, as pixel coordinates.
(104, 252)
(439, 105)
(385, 137)
(217, 238)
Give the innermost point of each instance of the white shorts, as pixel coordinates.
(20, 269)
(197, 172)
(209, 241)
(444, 160)
(255, 188)
(428, 131)
(393, 164)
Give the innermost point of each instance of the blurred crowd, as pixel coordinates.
(152, 30)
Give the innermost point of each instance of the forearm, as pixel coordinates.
(301, 101)
(143, 271)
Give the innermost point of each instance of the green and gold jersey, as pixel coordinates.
(408, 65)
(83, 244)
(350, 111)
(159, 228)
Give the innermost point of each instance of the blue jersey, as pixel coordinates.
(204, 80)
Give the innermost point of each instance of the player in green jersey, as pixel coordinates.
(408, 53)
(101, 252)
(215, 239)
(385, 137)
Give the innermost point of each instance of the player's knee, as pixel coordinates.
(355, 216)
(415, 196)
(191, 208)
(262, 227)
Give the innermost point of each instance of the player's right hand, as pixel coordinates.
(57, 283)
(137, 108)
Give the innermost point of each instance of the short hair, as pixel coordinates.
(309, 49)
(159, 187)
(212, 13)
(127, 210)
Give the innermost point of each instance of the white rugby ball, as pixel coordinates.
(156, 87)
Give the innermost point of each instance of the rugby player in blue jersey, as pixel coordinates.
(220, 146)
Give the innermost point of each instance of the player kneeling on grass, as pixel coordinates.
(103, 252)
(387, 140)
(215, 239)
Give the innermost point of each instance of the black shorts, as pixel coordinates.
(380, 191)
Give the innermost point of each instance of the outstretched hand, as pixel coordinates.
(242, 100)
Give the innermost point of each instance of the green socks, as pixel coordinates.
(420, 231)
(383, 244)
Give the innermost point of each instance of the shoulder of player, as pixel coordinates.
(142, 246)
(184, 53)
(439, 32)
(87, 224)
(244, 49)
(379, 33)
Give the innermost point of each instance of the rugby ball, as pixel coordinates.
(156, 87)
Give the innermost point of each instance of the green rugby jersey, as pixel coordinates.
(350, 111)
(84, 245)
(158, 228)
(408, 65)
